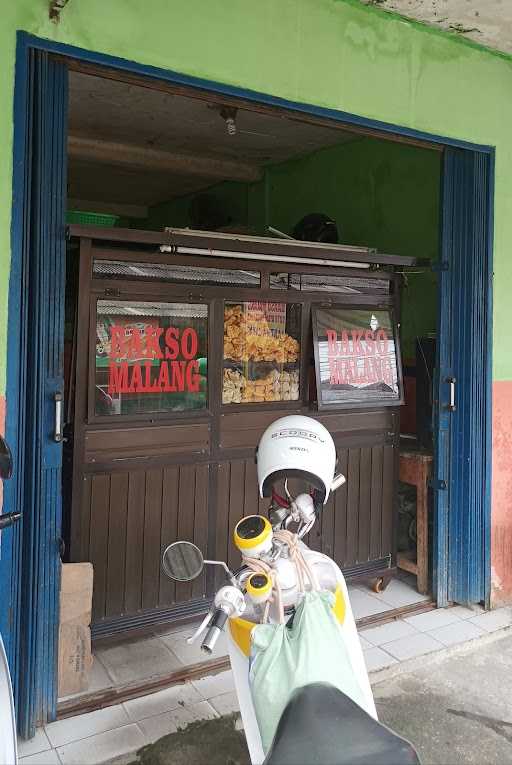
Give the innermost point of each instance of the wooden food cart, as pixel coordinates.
(187, 345)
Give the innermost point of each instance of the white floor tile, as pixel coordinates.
(364, 604)
(226, 703)
(102, 747)
(493, 620)
(398, 594)
(39, 743)
(81, 726)
(411, 646)
(364, 643)
(376, 658)
(136, 659)
(215, 685)
(156, 727)
(161, 701)
(176, 629)
(388, 632)
(467, 613)
(98, 680)
(192, 654)
(432, 620)
(459, 632)
(41, 758)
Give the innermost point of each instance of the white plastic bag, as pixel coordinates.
(285, 658)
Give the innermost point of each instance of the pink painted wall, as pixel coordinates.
(501, 534)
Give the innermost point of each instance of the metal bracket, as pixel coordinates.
(437, 485)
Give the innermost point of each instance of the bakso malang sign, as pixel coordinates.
(355, 356)
(150, 359)
(358, 357)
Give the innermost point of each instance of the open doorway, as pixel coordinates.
(141, 159)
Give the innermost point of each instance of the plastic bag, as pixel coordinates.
(285, 658)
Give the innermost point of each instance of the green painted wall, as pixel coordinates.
(381, 194)
(334, 53)
(231, 195)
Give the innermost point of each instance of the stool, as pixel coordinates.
(414, 469)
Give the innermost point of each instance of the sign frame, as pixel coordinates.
(376, 403)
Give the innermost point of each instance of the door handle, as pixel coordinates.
(451, 382)
(59, 408)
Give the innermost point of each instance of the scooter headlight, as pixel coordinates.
(253, 536)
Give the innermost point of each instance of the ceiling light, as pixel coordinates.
(179, 250)
(228, 114)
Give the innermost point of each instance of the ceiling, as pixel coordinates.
(130, 145)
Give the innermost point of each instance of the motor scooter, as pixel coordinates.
(320, 707)
(8, 745)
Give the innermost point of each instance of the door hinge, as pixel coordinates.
(437, 485)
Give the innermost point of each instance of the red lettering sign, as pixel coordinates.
(132, 353)
(359, 357)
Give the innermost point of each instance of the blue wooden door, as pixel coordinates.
(463, 466)
(35, 373)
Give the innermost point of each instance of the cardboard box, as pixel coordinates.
(75, 658)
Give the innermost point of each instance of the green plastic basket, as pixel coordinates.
(91, 218)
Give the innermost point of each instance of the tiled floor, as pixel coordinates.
(164, 652)
(111, 732)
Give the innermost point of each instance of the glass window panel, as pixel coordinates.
(356, 355)
(162, 272)
(261, 352)
(345, 285)
(150, 357)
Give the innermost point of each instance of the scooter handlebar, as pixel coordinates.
(217, 624)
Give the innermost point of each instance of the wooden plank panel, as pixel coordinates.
(354, 456)
(169, 529)
(100, 500)
(236, 504)
(85, 519)
(201, 525)
(342, 424)
(387, 499)
(339, 424)
(222, 528)
(118, 511)
(152, 534)
(376, 503)
(134, 540)
(251, 496)
(340, 515)
(154, 441)
(186, 509)
(327, 525)
(365, 482)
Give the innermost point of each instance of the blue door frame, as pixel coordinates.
(16, 545)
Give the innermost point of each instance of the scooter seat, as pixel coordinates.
(322, 726)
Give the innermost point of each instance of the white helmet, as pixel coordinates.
(300, 447)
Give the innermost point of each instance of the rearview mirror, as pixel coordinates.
(182, 561)
(5, 459)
